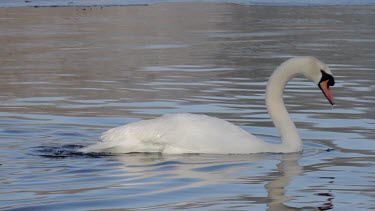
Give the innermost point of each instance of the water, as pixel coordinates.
(68, 74)
(58, 3)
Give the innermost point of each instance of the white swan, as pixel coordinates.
(192, 133)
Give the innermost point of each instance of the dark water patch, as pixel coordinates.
(218, 167)
(167, 163)
(329, 203)
(327, 178)
(20, 131)
(66, 151)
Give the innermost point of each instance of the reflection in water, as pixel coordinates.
(287, 169)
(174, 175)
(180, 173)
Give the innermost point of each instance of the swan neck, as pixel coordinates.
(291, 141)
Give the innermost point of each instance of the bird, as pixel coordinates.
(180, 133)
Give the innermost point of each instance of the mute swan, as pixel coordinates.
(193, 133)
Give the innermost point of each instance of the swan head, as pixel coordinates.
(316, 71)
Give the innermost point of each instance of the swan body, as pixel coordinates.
(193, 133)
(180, 133)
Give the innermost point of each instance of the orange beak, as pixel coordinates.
(325, 89)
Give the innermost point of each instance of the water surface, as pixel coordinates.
(74, 3)
(69, 74)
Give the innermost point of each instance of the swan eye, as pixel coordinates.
(326, 76)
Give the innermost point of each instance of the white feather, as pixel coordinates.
(193, 133)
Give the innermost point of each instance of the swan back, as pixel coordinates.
(178, 133)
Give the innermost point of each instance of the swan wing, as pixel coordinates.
(177, 133)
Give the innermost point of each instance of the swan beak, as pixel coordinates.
(324, 86)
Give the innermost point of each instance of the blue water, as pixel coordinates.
(68, 74)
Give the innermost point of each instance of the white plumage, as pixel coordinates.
(193, 133)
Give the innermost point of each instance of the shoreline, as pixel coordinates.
(115, 3)
(177, 4)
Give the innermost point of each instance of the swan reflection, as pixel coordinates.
(216, 179)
